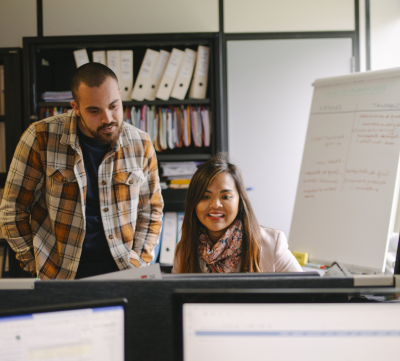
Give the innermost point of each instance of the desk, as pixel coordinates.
(149, 311)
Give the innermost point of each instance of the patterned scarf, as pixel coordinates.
(224, 255)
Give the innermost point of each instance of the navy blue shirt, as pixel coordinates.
(96, 256)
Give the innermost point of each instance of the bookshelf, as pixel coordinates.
(11, 59)
(49, 64)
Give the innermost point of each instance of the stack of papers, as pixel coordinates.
(61, 96)
(178, 174)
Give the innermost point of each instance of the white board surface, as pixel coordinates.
(348, 187)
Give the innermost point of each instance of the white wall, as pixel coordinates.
(17, 19)
(288, 15)
(94, 17)
(385, 34)
(269, 99)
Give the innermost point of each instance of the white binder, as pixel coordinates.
(99, 57)
(114, 63)
(155, 78)
(184, 75)
(169, 234)
(146, 69)
(170, 73)
(198, 88)
(81, 57)
(126, 81)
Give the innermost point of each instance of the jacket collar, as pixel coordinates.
(69, 136)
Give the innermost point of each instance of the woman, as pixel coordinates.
(220, 232)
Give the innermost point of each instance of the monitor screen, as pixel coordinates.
(94, 333)
(290, 331)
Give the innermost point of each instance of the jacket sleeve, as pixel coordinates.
(22, 188)
(284, 259)
(149, 219)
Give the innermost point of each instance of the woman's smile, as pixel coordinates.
(219, 206)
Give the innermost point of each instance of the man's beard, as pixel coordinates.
(106, 138)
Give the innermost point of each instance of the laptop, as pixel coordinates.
(76, 331)
(319, 324)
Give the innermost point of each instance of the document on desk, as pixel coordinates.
(152, 272)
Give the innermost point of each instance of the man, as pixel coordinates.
(82, 195)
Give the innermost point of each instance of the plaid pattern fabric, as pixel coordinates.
(42, 213)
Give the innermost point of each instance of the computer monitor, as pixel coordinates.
(286, 325)
(80, 331)
(238, 276)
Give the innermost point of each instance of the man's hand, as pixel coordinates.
(134, 262)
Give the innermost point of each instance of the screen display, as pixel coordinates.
(291, 331)
(84, 334)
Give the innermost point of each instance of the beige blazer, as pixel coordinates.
(275, 254)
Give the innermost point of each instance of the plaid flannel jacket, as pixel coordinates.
(42, 214)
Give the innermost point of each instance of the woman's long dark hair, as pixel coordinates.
(187, 247)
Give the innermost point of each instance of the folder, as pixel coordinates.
(81, 57)
(99, 57)
(196, 127)
(198, 88)
(170, 130)
(177, 127)
(186, 126)
(155, 78)
(205, 118)
(170, 73)
(156, 138)
(146, 69)
(114, 63)
(126, 81)
(168, 242)
(163, 130)
(149, 119)
(184, 75)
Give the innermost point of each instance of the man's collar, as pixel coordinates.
(69, 135)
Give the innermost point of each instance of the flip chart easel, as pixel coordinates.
(348, 187)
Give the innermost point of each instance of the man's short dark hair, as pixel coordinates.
(92, 75)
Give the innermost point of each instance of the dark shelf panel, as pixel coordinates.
(182, 157)
(2, 118)
(3, 175)
(137, 103)
(169, 102)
